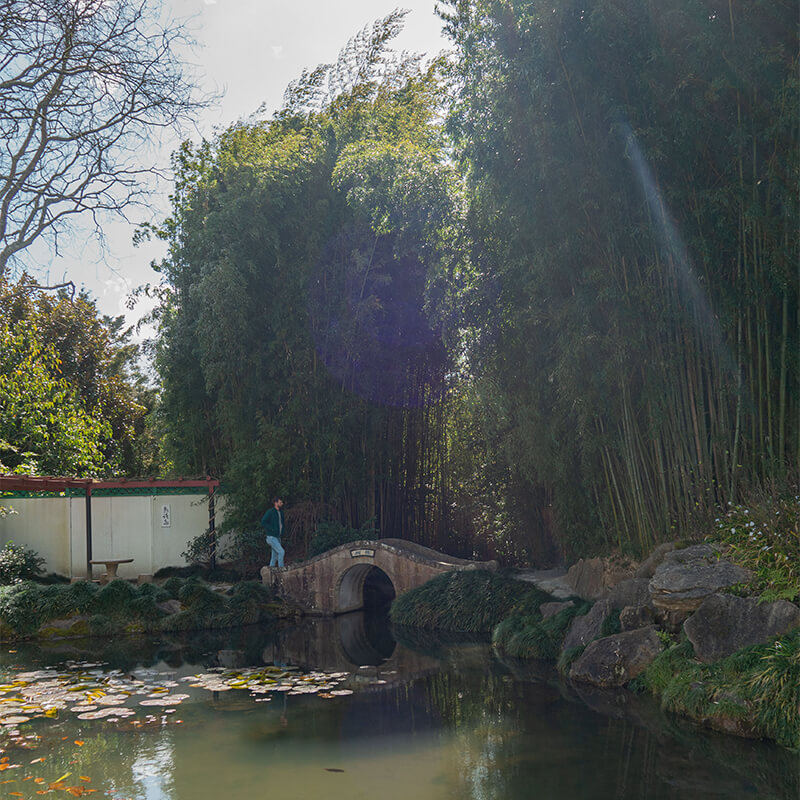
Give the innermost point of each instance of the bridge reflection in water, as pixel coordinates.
(359, 639)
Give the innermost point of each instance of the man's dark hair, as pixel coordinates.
(275, 499)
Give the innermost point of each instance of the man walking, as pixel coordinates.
(273, 524)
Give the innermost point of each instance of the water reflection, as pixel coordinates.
(445, 721)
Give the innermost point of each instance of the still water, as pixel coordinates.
(337, 709)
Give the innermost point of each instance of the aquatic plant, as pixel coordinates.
(81, 689)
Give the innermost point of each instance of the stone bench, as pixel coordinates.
(111, 565)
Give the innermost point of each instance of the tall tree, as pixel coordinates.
(83, 87)
(300, 350)
(633, 191)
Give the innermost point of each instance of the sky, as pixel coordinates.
(248, 51)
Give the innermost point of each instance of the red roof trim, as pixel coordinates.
(49, 483)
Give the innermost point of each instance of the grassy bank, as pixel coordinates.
(764, 537)
(30, 609)
(754, 692)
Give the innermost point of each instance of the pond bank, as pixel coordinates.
(55, 611)
(670, 626)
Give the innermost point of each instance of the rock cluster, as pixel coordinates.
(672, 589)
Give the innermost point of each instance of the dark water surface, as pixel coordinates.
(426, 720)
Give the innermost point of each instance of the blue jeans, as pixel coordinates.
(277, 551)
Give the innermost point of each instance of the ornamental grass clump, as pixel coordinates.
(471, 601)
(764, 537)
(530, 636)
(247, 603)
(120, 607)
(759, 686)
(774, 686)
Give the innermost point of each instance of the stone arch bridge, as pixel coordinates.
(335, 582)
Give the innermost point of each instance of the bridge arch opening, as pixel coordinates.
(365, 586)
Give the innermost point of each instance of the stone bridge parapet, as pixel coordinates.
(333, 582)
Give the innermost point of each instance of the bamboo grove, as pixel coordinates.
(536, 298)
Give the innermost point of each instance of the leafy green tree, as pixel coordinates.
(86, 375)
(44, 427)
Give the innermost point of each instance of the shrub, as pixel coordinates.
(331, 534)
(155, 591)
(199, 549)
(19, 563)
(189, 571)
(144, 608)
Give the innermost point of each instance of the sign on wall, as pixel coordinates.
(165, 516)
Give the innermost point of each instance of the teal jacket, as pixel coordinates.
(273, 522)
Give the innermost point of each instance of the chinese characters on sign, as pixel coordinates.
(165, 516)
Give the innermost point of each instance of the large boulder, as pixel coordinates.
(76, 625)
(648, 567)
(591, 578)
(632, 592)
(633, 617)
(548, 610)
(615, 660)
(685, 578)
(724, 624)
(586, 628)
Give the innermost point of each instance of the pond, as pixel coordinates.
(338, 709)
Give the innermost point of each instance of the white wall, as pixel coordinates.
(123, 526)
(43, 524)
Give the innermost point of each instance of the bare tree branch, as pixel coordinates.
(84, 86)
